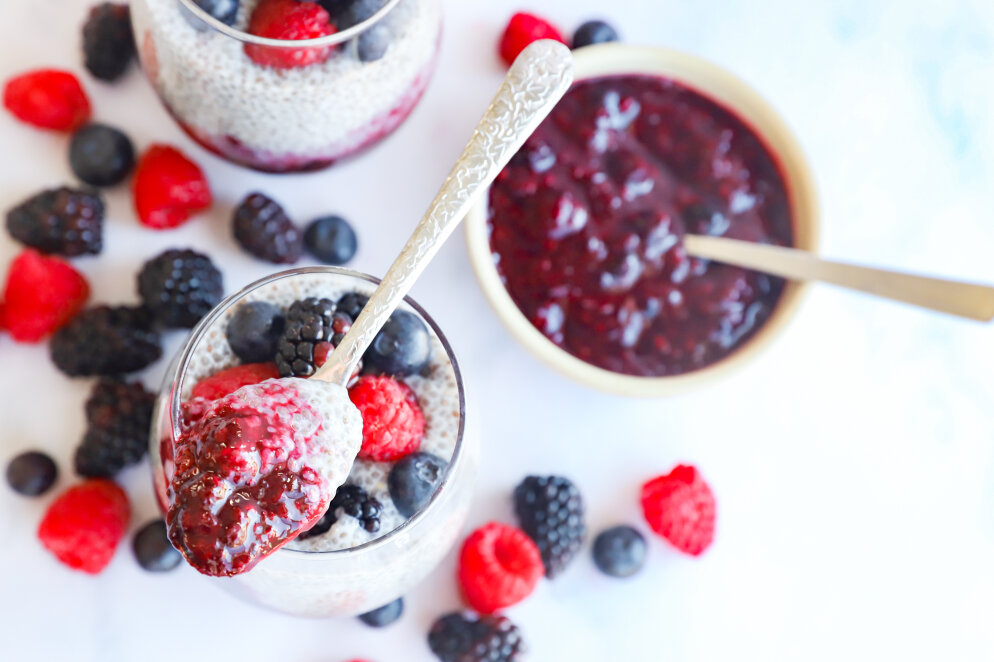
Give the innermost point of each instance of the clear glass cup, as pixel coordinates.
(324, 583)
(286, 120)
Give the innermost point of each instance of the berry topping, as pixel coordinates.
(48, 99)
(106, 340)
(619, 551)
(392, 422)
(101, 155)
(168, 188)
(312, 327)
(499, 566)
(64, 221)
(289, 20)
(356, 11)
(550, 511)
(230, 380)
(372, 44)
(31, 473)
(401, 348)
(331, 239)
(594, 32)
(680, 507)
(254, 330)
(180, 287)
(152, 548)
(413, 480)
(83, 526)
(353, 501)
(385, 615)
(108, 43)
(225, 11)
(352, 304)
(466, 637)
(264, 230)
(41, 294)
(119, 417)
(521, 31)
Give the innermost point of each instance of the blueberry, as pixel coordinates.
(352, 304)
(413, 480)
(385, 615)
(31, 473)
(153, 550)
(254, 331)
(335, 8)
(359, 11)
(331, 239)
(619, 551)
(101, 155)
(594, 32)
(401, 348)
(373, 43)
(225, 11)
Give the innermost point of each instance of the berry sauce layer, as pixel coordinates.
(587, 221)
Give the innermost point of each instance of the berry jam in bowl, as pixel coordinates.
(283, 85)
(578, 245)
(406, 494)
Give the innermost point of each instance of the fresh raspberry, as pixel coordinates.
(48, 99)
(680, 507)
(41, 295)
(499, 566)
(83, 526)
(289, 20)
(230, 380)
(522, 30)
(392, 422)
(168, 188)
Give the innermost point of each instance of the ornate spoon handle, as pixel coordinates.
(534, 84)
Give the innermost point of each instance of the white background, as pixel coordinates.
(853, 463)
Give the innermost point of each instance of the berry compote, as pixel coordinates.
(586, 226)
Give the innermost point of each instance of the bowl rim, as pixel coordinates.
(730, 91)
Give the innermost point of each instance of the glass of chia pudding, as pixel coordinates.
(371, 546)
(285, 85)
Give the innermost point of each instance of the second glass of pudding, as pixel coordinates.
(346, 570)
(236, 94)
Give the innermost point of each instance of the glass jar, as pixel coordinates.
(287, 119)
(358, 579)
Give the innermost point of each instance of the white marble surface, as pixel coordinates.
(854, 464)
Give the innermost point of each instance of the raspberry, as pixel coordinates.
(522, 30)
(168, 188)
(466, 637)
(230, 380)
(289, 20)
(392, 422)
(353, 501)
(680, 507)
(264, 230)
(550, 511)
(499, 566)
(65, 221)
(106, 341)
(41, 295)
(119, 416)
(108, 43)
(180, 287)
(48, 99)
(83, 526)
(311, 331)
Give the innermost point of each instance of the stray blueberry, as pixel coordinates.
(254, 331)
(101, 155)
(153, 550)
(594, 32)
(352, 304)
(385, 615)
(619, 551)
(31, 473)
(373, 43)
(331, 239)
(413, 480)
(401, 348)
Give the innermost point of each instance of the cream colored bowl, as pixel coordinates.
(718, 84)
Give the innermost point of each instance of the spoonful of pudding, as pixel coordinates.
(256, 467)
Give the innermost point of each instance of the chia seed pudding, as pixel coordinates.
(285, 119)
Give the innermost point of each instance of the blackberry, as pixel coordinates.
(119, 416)
(312, 328)
(467, 637)
(180, 287)
(62, 220)
(550, 511)
(101, 155)
(264, 230)
(352, 304)
(105, 340)
(108, 43)
(354, 502)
